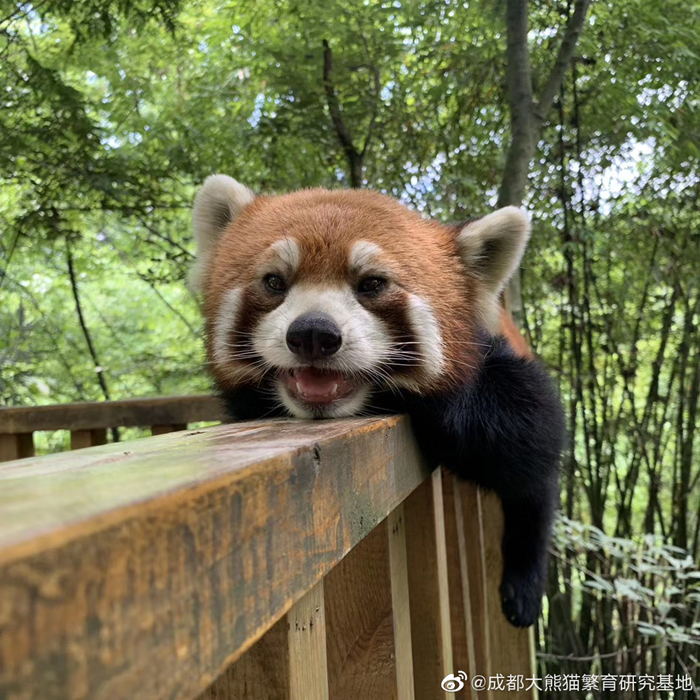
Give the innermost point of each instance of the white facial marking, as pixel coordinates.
(363, 255)
(222, 352)
(366, 341)
(427, 332)
(288, 255)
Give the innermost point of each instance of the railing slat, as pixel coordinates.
(512, 650)
(361, 658)
(141, 570)
(164, 429)
(308, 667)
(16, 446)
(287, 663)
(463, 643)
(401, 612)
(79, 439)
(262, 673)
(428, 588)
(163, 410)
(469, 512)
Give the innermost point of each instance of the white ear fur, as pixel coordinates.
(218, 202)
(492, 247)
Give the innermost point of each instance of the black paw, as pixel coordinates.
(521, 597)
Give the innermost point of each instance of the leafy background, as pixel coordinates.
(113, 112)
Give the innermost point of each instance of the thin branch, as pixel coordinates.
(351, 153)
(22, 11)
(83, 325)
(375, 110)
(573, 30)
(334, 104)
(8, 257)
(377, 92)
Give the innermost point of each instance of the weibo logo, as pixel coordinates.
(453, 683)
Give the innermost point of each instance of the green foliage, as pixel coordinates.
(113, 112)
(652, 587)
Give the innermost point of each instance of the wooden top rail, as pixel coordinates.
(141, 570)
(168, 410)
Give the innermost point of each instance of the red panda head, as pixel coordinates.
(331, 295)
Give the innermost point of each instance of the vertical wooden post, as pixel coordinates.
(428, 588)
(163, 429)
(359, 632)
(306, 640)
(287, 663)
(469, 518)
(401, 612)
(87, 438)
(16, 446)
(460, 596)
(512, 650)
(262, 673)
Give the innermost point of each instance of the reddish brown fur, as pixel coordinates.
(422, 255)
(510, 332)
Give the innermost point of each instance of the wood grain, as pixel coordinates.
(306, 639)
(287, 663)
(16, 446)
(164, 410)
(457, 571)
(469, 511)
(262, 673)
(428, 588)
(400, 606)
(141, 570)
(511, 649)
(361, 658)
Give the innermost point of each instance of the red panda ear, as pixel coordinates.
(492, 247)
(219, 201)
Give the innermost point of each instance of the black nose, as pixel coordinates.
(314, 336)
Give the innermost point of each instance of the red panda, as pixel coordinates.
(322, 304)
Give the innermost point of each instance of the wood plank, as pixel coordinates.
(512, 650)
(262, 673)
(16, 446)
(80, 439)
(165, 429)
(401, 612)
(361, 658)
(287, 663)
(141, 570)
(469, 511)
(306, 638)
(164, 410)
(428, 588)
(457, 572)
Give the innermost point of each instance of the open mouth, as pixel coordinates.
(311, 385)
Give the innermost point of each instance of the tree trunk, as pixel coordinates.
(526, 116)
(354, 156)
(522, 107)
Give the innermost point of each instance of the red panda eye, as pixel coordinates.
(274, 283)
(371, 285)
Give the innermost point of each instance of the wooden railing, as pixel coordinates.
(88, 422)
(265, 560)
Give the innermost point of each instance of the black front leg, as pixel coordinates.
(528, 524)
(505, 432)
